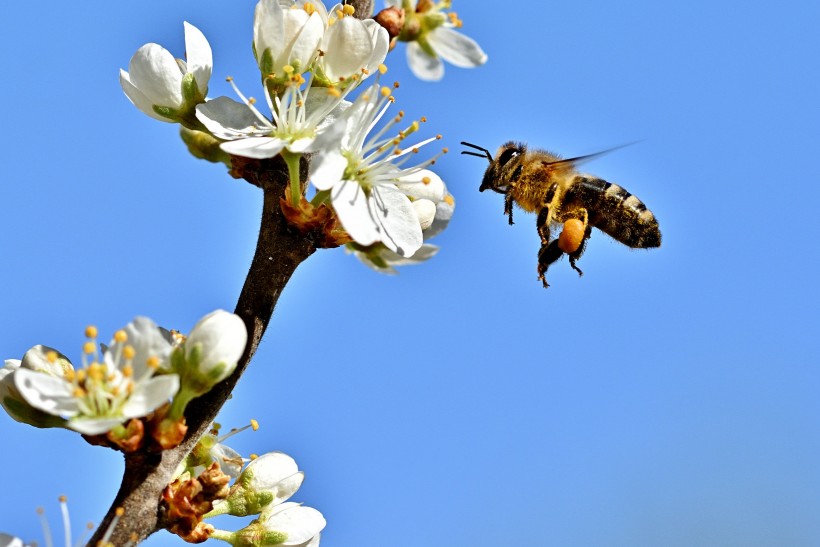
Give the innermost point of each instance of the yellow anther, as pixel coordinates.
(128, 371)
(153, 362)
(129, 388)
(438, 137)
(253, 456)
(251, 100)
(445, 150)
(382, 68)
(129, 352)
(115, 391)
(339, 14)
(119, 511)
(385, 91)
(423, 119)
(89, 347)
(96, 372)
(395, 85)
(426, 180)
(333, 91)
(348, 9)
(91, 331)
(229, 79)
(70, 374)
(391, 99)
(81, 376)
(78, 392)
(120, 336)
(288, 69)
(254, 425)
(309, 8)
(51, 356)
(449, 200)
(365, 71)
(62, 499)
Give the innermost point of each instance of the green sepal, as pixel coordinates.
(167, 112)
(204, 146)
(266, 64)
(255, 535)
(190, 91)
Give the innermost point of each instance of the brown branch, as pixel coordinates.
(279, 250)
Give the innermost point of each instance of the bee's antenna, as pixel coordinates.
(486, 153)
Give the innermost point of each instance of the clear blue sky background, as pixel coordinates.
(668, 397)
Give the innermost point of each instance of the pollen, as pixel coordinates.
(96, 372)
(382, 68)
(438, 137)
(120, 336)
(348, 9)
(423, 119)
(153, 362)
(385, 91)
(51, 356)
(454, 20)
(449, 200)
(251, 100)
(397, 151)
(128, 371)
(426, 180)
(253, 456)
(254, 425)
(445, 150)
(81, 376)
(395, 85)
(391, 99)
(339, 14)
(365, 71)
(88, 348)
(119, 511)
(62, 499)
(309, 8)
(129, 352)
(78, 392)
(91, 331)
(70, 374)
(334, 91)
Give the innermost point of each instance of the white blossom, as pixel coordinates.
(215, 344)
(430, 36)
(364, 175)
(286, 36)
(352, 49)
(109, 389)
(301, 524)
(166, 88)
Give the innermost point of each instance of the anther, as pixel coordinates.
(426, 180)
(229, 79)
(309, 8)
(348, 9)
(121, 336)
(254, 425)
(153, 362)
(253, 456)
(251, 100)
(385, 91)
(333, 91)
(449, 200)
(128, 371)
(129, 352)
(91, 331)
(395, 85)
(382, 68)
(438, 137)
(288, 69)
(51, 356)
(89, 347)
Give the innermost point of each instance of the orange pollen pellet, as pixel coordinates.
(91, 331)
(120, 336)
(51, 356)
(572, 236)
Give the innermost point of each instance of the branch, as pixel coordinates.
(364, 8)
(279, 251)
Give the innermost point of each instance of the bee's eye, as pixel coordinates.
(507, 155)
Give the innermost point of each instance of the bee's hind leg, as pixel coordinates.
(575, 256)
(548, 254)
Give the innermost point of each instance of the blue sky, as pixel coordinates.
(668, 397)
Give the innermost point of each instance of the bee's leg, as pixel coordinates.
(508, 206)
(543, 226)
(548, 254)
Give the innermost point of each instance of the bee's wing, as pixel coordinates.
(569, 162)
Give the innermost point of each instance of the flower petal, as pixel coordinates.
(199, 55)
(148, 342)
(36, 359)
(228, 119)
(456, 48)
(254, 147)
(423, 184)
(350, 203)
(270, 469)
(220, 337)
(424, 66)
(327, 169)
(444, 212)
(155, 72)
(348, 46)
(150, 395)
(425, 211)
(46, 393)
(94, 426)
(394, 213)
(300, 523)
(138, 98)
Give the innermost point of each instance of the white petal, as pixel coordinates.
(46, 393)
(155, 72)
(456, 48)
(229, 460)
(348, 46)
(138, 98)
(269, 469)
(326, 169)
(394, 213)
(381, 45)
(350, 203)
(425, 211)
(307, 40)
(228, 119)
(423, 65)
(200, 58)
(300, 523)
(221, 337)
(36, 359)
(94, 426)
(150, 395)
(147, 340)
(414, 185)
(300, 146)
(268, 28)
(254, 147)
(444, 212)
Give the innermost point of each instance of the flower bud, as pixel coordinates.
(266, 482)
(213, 348)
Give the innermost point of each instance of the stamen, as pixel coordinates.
(120, 336)
(153, 362)
(91, 331)
(128, 371)
(129, 352)
(253, 456)
(255, 425)
(382, 68)
(118, 512)
(89, 347)
(51, 356)
(66, 520)
(348, 9)
(309, 8)
(385, 91)
(41, 514)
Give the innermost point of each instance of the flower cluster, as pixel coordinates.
(142, 369)
(311, 60)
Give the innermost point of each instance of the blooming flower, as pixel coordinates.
(286, 36)
(111, 388)
(299, 115)
(367, 185)
(432, 195)
(430, 35)
(351, 48)
(165, 88)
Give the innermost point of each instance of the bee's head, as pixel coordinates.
(493, 179)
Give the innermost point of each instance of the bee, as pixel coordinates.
(541, 182)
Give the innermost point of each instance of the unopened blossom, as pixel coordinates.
(286, 525)
(430, 36)
(214, 346)
(299, 115)
(165, 88)
(434, 207)
(267, 481)
(365, 177)
(110, 388)
(286, 37)
(352, 49)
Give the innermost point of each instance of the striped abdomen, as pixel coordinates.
(614, 211)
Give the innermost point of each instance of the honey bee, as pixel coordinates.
(541, 182)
